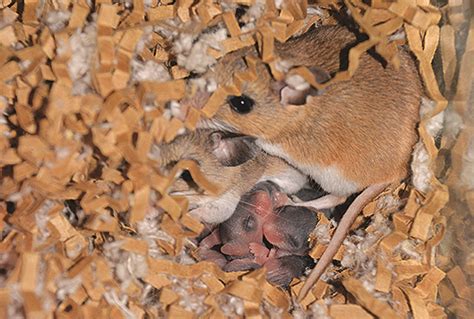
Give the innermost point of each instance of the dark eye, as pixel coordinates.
(186, 176)
(241, 104)
(249, 223)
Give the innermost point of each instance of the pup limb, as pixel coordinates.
(241, 264)
(281, 271)
(205, 251)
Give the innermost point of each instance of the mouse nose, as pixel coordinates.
(271, 234)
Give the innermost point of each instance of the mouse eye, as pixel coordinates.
(186, 176)
(241, 104)
(188, 179)
(249, 223)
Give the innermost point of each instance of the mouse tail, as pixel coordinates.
(340, 234)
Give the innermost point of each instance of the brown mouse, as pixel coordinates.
(234, 163)
(354, 135)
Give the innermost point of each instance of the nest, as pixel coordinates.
(87, 226)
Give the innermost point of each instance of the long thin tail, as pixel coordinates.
(340, 234)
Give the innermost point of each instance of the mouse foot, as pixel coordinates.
(260, 252)
(327, 201)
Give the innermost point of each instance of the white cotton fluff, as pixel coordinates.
(399, 35)
(421, 162)
(144, 39)
(149, 71)
(83, 47)
(278, 3)
(283, 66)
(147, 3)
(421, 171)
(252, 15)
(149, 230)
(121, 302)
(434, 124)
(321, 234)
(357, 254)
(231, 306)
(319, 311)
(67, 286)
(189, 300)
(407, 249)
(256, 10)
(453, 123)
(192, 54)
(42, 219)
(128, 267)
(128, 4)
(467, 175)
(57, 20)
(15, 306)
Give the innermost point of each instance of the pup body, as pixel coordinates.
(354, 135)
(260, 217)
(234, 163)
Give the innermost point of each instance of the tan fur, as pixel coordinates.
(365, 127)
(235, 180)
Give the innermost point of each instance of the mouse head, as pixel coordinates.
(219, 157)
(253, 209)
(265, 106)
(290, 228)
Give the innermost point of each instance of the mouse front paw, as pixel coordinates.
(260, 252)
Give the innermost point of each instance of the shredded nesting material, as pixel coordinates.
(87, 227)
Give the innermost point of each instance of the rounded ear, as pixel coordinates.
(298, 94)
(233, 150)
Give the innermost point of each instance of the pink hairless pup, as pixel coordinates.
(262, 232)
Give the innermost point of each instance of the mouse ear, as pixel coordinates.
(234, 150)
(295, 90)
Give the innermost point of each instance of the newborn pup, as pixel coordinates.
(234, 163)
(234, 236)
(282, 270)
(287, 230)
(241, 237)
(355, 135)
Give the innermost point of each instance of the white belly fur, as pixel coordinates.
(290, 181)
(329, 178)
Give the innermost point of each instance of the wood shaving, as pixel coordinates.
(88, 229)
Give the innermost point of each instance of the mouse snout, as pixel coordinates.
(273, 235)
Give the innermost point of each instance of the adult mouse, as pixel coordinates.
(355, 135)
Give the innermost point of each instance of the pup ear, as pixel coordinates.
(233, 150)
(295, 90)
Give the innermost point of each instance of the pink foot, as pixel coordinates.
(260, 252)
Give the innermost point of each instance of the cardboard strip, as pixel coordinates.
(369, 302)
